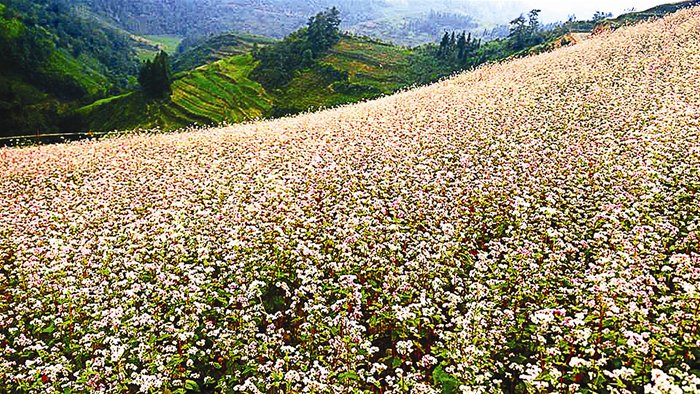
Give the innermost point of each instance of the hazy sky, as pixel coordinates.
(555, 10)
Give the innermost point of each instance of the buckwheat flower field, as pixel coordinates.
(526, 227)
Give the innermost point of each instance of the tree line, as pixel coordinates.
(459, 51)
(458, 47)
(156, 76)
(298, 50)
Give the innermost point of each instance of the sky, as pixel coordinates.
(552, 10)
(559, 10)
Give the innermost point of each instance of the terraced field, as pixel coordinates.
(218, 93)
(221, 92)
(218, 48)
(384, 66)
(147, 47)
(373, 69)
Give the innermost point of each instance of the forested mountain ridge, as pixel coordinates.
(402, 23)
(53, 60)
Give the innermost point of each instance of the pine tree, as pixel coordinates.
(444, 45)
(156, 76)
(534, 21)
(518, 33)
(323, 30)
(461, 46)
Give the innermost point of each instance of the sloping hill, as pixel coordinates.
(527, 227)
(355, 69)
(220, 92)
(659, 11)
(216, 48)
(54, 60)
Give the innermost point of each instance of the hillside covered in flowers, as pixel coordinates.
(526, 227)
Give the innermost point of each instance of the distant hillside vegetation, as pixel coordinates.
(219, 92)
(193, 53)
(59, 58)
(53, 60)
(222, 92)
(354, 69)
(295, 75)
(406, 23)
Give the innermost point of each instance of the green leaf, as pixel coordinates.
(50, 329)
(350, 375)
(449, 383)
(191, 385)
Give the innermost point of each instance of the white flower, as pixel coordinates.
(577, 362)
(404, 348)
(531, 373)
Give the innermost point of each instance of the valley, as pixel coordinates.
(75, 87)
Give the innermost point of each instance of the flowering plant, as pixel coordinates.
(531, 226)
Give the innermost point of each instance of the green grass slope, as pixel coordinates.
(55, 60)
(38, 102)
(217, 48)
(147, 47)
(220, 92)
(353, 70)
(74, 73)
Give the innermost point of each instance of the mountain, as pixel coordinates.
(526, 227)
(54, 60)
(222, 91)
(402, 22)
(192, 53)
